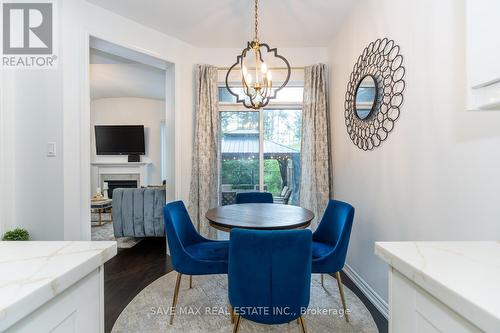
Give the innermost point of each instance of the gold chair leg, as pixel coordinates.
(176, 294)
(190, 281)
(237, 324)
(302, 324)
(342, 297)
(322, 280)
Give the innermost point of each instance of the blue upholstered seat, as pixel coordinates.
(320, 250)
(254, 197)
(269, 270)
(191, 253)
(331, 238)
(330, 242)
(217, 251)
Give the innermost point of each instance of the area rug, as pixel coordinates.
(105, 232)
(204, 309)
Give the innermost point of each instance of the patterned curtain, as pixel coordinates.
(205, 170)
(315, 181)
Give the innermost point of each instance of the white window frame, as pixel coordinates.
(273, 105)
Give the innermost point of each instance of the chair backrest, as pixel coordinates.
(254, 197)
(335, 227)
(270, 271)
(257, 187)
(283, 191)
(226, 187)
(287, 196)
(179, 230)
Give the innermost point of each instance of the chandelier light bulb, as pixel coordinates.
(269, 76)
(244, 70)
(263, 68)
(248, 78)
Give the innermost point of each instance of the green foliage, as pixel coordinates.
(17, 234)
(237, 120)
(241, 173)
(283, 127)
(272, 176)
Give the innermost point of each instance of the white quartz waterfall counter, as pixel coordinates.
(443, 286)
(46, 286)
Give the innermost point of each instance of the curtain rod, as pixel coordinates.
(271, 68)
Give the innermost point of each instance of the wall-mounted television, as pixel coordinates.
(119, 140)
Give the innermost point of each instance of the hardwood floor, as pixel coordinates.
(131, 270)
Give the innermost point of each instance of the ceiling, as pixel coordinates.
(229, 23)
(114, 76)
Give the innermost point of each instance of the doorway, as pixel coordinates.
(130, 138)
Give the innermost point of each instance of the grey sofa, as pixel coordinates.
(138, 212)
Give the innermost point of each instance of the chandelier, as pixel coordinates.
(254, 67)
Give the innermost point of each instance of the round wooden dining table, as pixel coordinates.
(261, 216)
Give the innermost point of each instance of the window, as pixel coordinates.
(260, 150)
(240, 150)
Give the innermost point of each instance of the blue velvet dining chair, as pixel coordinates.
(269, 275)
(254, 197)
(330, 242)
(191, 253)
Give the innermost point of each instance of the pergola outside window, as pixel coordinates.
(260, 150)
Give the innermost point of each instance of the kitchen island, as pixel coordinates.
(443, 286)
(53, 286)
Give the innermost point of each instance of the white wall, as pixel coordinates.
(131, 111)
(437, 175)
(31, 185)
(81, 17)
(50, 196)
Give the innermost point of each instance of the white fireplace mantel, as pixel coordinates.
(127, 169)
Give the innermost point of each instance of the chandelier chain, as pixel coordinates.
(256, 20)
(258, 90)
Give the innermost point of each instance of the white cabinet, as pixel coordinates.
(77, 309)
(413, 310)
(449, 287)
(483, 54)
(53, 286)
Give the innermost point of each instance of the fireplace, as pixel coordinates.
(112, 184)
(111, 181)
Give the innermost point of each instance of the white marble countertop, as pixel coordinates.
(463, 275)
(32, 273)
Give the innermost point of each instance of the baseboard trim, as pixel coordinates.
(368, 291)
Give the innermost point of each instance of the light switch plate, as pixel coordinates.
(51, 149)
